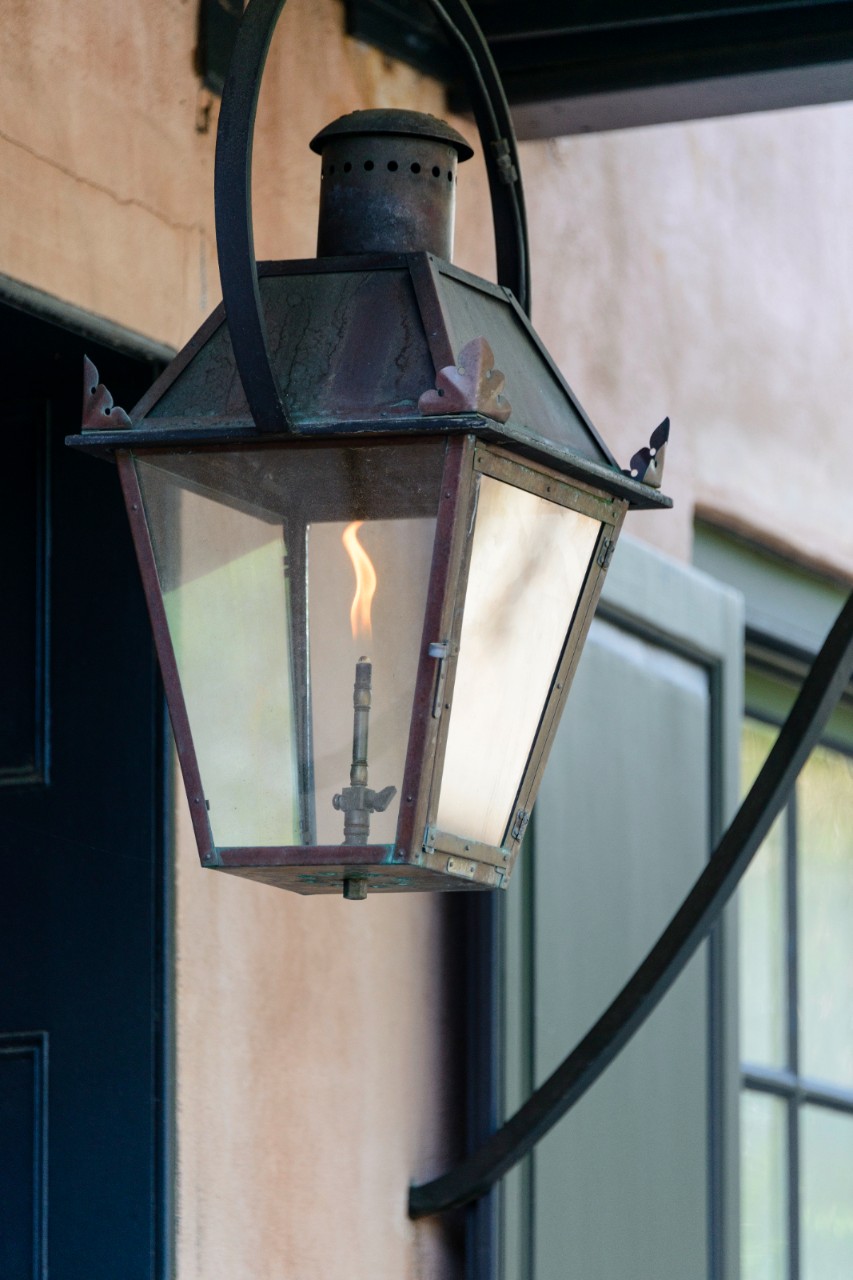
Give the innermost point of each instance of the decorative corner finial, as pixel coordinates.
(647, 464)
(99, 412)
(472, 385)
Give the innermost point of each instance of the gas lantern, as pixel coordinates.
(369, 592)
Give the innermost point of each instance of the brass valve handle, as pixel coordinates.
(358, 801)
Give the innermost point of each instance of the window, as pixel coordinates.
(796, 1012)
(795, 942)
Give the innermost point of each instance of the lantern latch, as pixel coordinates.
(460, 867)
(605, 552)
(520, 825)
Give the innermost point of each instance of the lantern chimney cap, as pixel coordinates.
(385, 121)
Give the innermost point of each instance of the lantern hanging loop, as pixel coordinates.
(233, 189)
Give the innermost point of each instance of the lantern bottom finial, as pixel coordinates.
(355, 889)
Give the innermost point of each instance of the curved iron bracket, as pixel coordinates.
(233, 190)
(691, 924)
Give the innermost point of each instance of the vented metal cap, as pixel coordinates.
(388, 183)
(384, 121)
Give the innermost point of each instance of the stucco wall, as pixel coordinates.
(705, 270)
(315, 1079)
(699, 270)
(108, 182)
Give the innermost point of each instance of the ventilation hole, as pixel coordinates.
(416, 168)
(347, 167)
(368, 164)
(436, 172)
(92, 392)
(449, 175)
(393, 166)
(106, 411)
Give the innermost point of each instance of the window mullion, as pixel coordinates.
(793, 1045)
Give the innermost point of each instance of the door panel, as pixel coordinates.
(23, 1126)
(23, 568)
(81, 802)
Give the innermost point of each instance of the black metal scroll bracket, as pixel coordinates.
(233, 190)
(691, 924)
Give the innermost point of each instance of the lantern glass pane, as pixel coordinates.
(259, 591)
(529, 562)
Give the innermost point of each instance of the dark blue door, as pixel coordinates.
(82, 886)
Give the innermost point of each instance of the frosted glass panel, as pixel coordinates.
(221, 572)
(825, 870)
(528, 565)
(763, 1188)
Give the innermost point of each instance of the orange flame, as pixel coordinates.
(365, 581)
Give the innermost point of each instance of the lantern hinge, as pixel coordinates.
(439, 649)
(520, 825)
(605, 552)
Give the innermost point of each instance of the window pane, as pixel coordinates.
(756, 741)
(763, 1188)
(825, 848)
(761, 933)
(827, 1195)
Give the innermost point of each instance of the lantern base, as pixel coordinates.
(330, 869)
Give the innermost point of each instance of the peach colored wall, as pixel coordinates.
(705, 270)
(314, 1080)
(701, 270)
(106, 184)
(107, 197)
